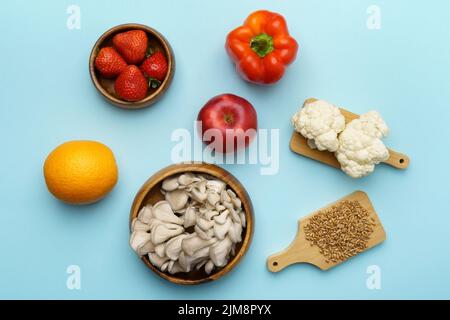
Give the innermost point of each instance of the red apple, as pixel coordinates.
(227, 123)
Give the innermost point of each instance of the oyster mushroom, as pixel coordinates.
(220, 230)
(237, 203)
(213, 198)
(154, 222)
(181, 213)
(222, 217)
(243, 219)
(194, 244)
(224, 196)
(219, 252)
(138, 239)
(217, 185)
(145, 214)
(174, 268)
(201, 264)
(165, 266)
(210, 214)
(233, 249)
(219, 207)
(146, 248)
(231, 193)
(209, 266)
(190, 217)
(234, 215)
(170, 184)
(139, 225)
(163, 211)
(187, 179)
(198, 195)
(177, 199)
(173, 246)
(201, 185)
(160, 250)
(235, 232)
(228, 205)
(164, 231)
(156, 260)
(191, 200)
(205, 235)
(204, 224)
(188, 261)
(141, 243)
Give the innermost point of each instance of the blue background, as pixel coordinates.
(47, 98)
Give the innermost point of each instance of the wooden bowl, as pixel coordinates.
(106, 86)
(150, 194)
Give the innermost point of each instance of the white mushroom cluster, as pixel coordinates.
(197, 225)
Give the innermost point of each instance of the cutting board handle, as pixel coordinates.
(398, 160)
(295, 253)
(281, 260)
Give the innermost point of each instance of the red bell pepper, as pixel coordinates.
(262, 47)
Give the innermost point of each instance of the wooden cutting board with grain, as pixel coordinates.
(299, 145)
(303, 250)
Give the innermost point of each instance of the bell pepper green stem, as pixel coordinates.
(262, 44)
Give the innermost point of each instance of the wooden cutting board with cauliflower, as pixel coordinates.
(342, 139)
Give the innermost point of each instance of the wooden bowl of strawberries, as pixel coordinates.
(132, 65)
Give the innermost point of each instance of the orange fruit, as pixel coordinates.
(80, 172)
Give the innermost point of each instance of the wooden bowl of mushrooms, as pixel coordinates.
(121, 63)
(191, 223)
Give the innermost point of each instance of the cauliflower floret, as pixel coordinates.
(320, 122)
(360, 145)
(373, 125)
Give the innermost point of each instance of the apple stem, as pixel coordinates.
(228, 118)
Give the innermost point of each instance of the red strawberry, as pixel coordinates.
(131, 84)
(155, 67)
(109, 62)
(132, 45)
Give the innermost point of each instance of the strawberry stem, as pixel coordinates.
(149, 52)
(153, 83)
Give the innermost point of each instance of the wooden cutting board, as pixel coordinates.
(299, 145)
(301, 250)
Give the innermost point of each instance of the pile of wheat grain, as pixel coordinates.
(340, 232)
